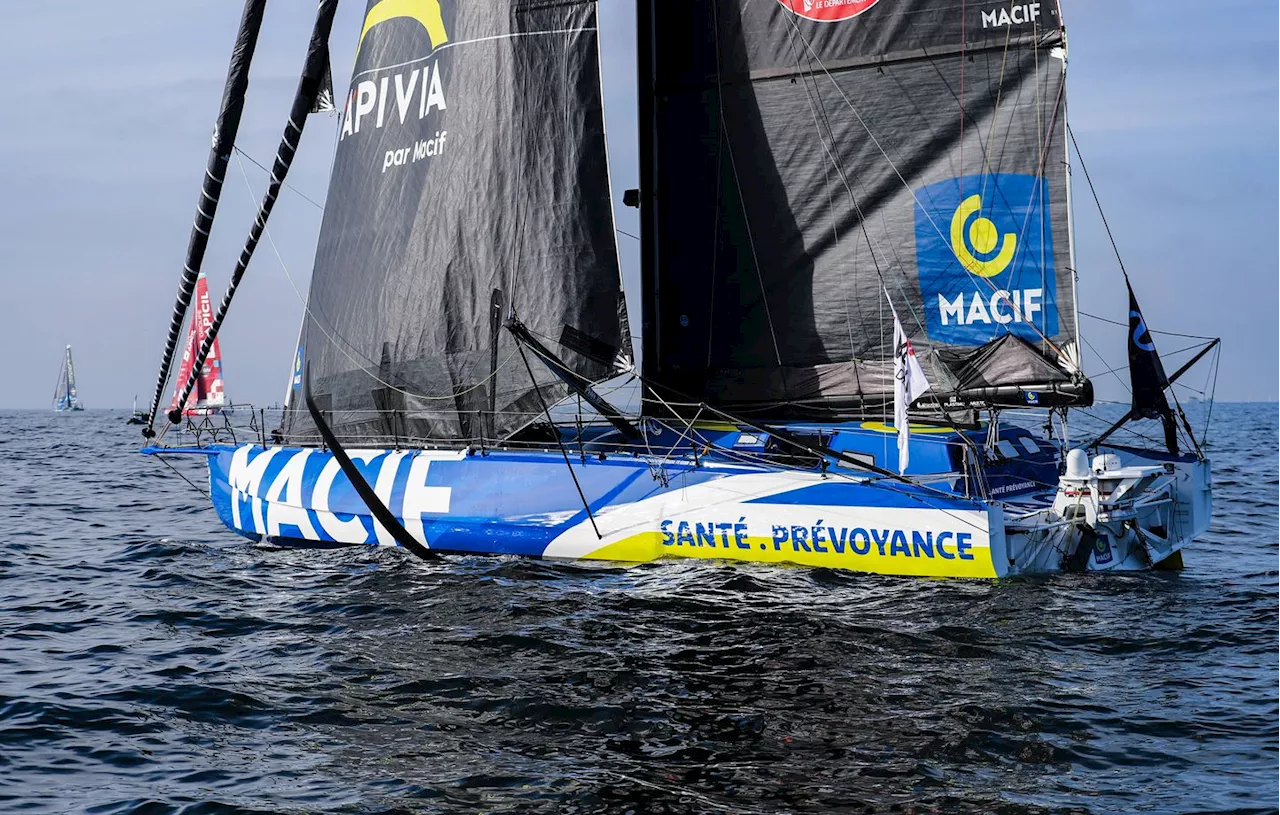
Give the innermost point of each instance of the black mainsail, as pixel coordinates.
(471, 171)
(799, 155)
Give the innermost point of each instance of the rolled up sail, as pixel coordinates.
(224, 140)
(798, 155)
(471, 169)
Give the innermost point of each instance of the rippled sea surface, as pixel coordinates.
(152, 662)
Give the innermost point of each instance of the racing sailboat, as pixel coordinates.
(207, 397)
(64, 395)
(849, 211)
(136, 416)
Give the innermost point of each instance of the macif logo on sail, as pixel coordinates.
(984, 250)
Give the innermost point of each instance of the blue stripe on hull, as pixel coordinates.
(886, 494)
(502, 503)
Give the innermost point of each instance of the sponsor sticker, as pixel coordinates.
(984, 250)
(828, 11)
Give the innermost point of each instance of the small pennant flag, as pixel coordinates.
(909, 384)
(1146, 375)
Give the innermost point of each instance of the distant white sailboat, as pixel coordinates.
(136, 416)
(65, 398)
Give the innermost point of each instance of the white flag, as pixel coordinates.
(909, 384)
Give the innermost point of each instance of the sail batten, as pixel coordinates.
(803, 156)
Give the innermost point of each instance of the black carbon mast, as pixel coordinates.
(224, 139)
(315, 77)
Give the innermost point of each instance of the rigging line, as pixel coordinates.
(334, 336)
(560, 441)
(258, 164)
(715, 239)
(1042, 147)
(1104, 362)
(1097, 202)
(1186, 387)
(831, 203)
(858, 211)
(57, 387)
(893, 166)
(782, 434)
(381, 514)
(1204, 436)
(737, 183)
(1205, 385)
(1127, 427)
(200, 492)
(1152, 330)
(991, 134)
(1042, 142)
(628, 234)
(1115, 370)
(839, 168)
(810, 92)
(1184, 350)
(688, 432)
(1185, 423)
(862, 219)
(863, 480)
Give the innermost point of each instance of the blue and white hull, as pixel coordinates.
(643, 509)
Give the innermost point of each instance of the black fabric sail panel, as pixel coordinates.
(807, 155)
(471, 161)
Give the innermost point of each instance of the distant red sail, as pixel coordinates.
(207, 396)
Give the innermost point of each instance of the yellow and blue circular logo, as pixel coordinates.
(984, 252)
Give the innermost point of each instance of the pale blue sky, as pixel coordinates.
(108, 114)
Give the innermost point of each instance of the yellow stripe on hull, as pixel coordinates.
(648, 546)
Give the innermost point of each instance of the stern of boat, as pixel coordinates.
(1123, 510)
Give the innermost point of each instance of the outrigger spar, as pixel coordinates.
(848, 211)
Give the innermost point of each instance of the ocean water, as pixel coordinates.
(152, 662)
